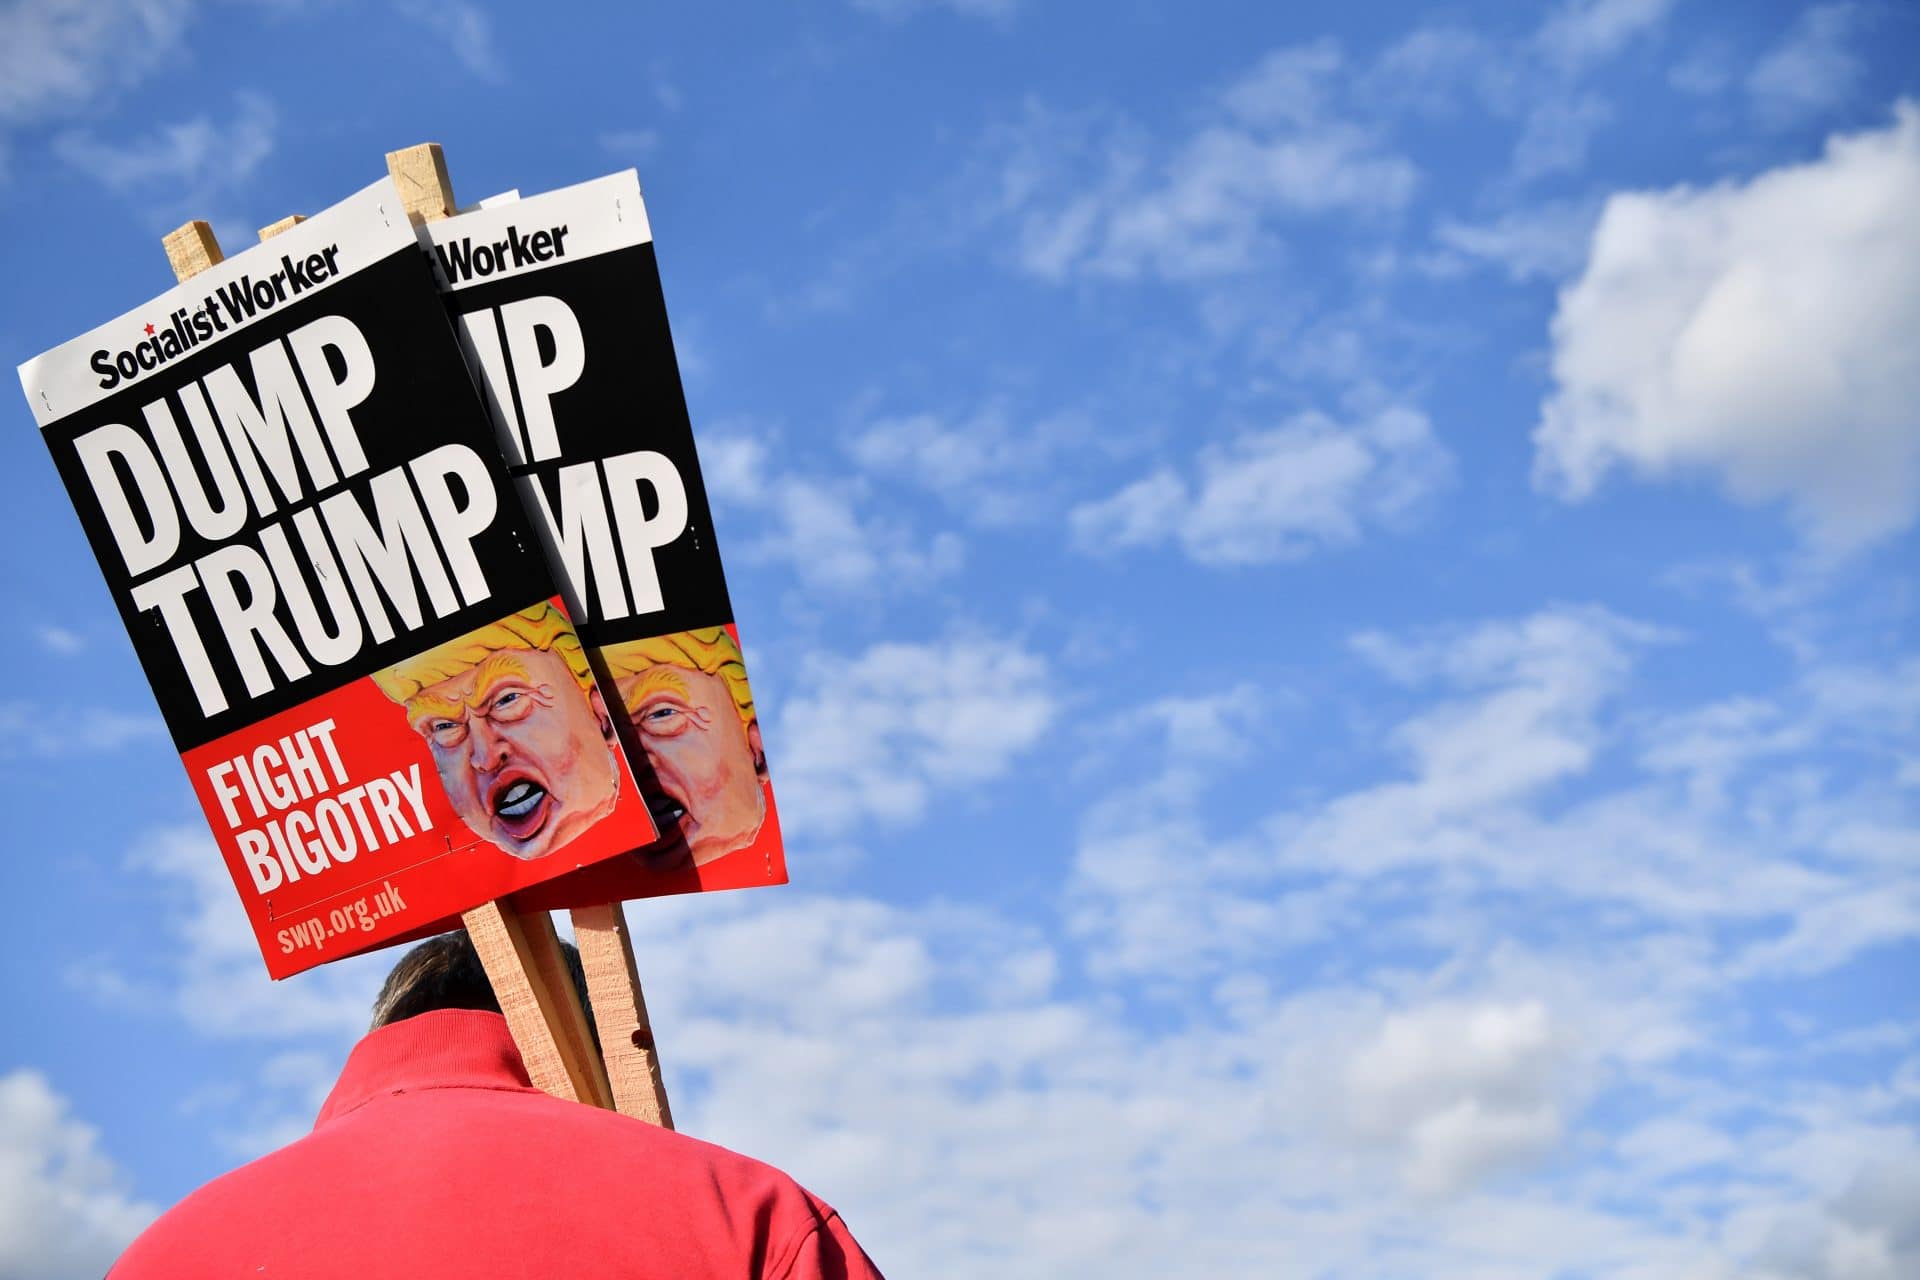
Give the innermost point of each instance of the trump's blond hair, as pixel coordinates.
(541, 627)
(707, 649)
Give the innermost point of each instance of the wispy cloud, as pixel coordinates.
(59, 640)
(1543, 80)
(1546, 241)
(1103, 197)
(1497, 792)
(1278, 494)
(59, 55)
(990, 467)
(45, 732)
(1812, 69)
(630, 144)
(874, 736)
(1580, 33)
(184, 169)
(212, 978)
(815, 523)
(465, 30)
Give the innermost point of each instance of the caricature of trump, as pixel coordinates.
(687, 697)
(519, 734)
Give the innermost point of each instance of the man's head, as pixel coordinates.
(687, 698)
(519, 734)
(445, 972)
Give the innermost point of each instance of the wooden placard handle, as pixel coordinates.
(191, 249)
(523, 960)
(620, 1012)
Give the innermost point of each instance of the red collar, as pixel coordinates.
(448, 1048)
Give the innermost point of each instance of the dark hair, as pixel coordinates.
(445, 972)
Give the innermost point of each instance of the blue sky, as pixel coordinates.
(1331, 587)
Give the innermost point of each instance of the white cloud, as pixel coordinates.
(282, 1042)
(815, 524)
(1812, 69)
(59, 55)
(1581, 32)
(1755, 332)
(630, 144)
(970, 1119)
(820, 533)
(1710, 745)
(464, 30)
(735, 464)
(969, 1116)
(1154, 896)
(1721, 813)
(988, 468)
(41, 732)
(1557, 133)
(1277, 494)
(1531, 689)
(1438, 70)
(875, 735)
(1862, 1226)
(1111, 201)
(212, 976)
(1540, 79)
(1151, 892)
(1463, 1091)
(65, 1212)
(1354, 1061)
(1202, 730)
(289, 1090)
(59, 640)
(1155, 892)
(1540, 242)
(192, 162)
(1704, 72)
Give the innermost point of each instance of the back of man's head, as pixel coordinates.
(445, 972)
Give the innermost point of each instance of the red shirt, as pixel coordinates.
(434, 1157)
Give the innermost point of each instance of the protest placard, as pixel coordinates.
(560, 311)
(363, 657)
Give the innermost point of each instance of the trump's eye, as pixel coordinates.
(446, 733)
(662, 719)
(511, 705)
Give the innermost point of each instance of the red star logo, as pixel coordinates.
(149, 331)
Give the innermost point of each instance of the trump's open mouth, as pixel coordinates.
(520, 806)
(667, 812)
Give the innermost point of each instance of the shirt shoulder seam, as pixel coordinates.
(784, 1269)
(791, 1254)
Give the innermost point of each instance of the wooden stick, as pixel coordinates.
(530, 979)
(287, 223)
(421, 174)
(191, 249)
(620, 1011)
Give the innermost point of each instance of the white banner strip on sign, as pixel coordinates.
(497, 241)
(367, 226)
